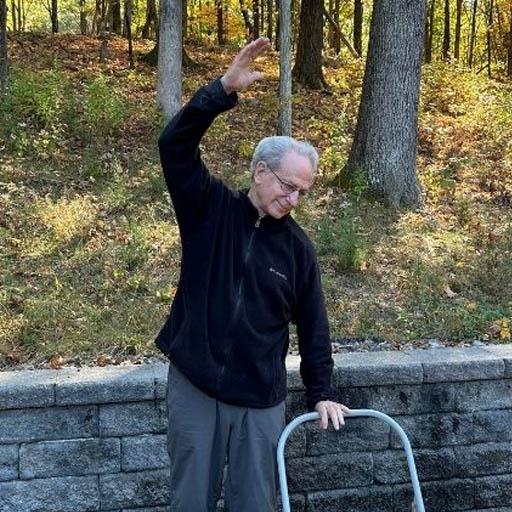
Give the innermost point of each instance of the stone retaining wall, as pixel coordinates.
(94, 439)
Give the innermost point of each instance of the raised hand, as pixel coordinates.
(239, 75)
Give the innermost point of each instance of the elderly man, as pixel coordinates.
(247, 271)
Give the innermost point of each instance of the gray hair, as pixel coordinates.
(271, 150)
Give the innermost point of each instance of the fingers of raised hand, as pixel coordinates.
(252, 50)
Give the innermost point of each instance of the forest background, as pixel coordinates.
(89, 246)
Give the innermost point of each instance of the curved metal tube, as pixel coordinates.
(283, 485)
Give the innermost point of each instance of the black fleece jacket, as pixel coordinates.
(243, 279)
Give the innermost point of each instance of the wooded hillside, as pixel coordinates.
(88, 241)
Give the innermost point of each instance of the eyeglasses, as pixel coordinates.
(287, 187)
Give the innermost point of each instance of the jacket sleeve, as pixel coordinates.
(187, 178)
(316, 363)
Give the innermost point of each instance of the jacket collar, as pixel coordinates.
(267, 221)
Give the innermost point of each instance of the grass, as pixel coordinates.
(89, 247)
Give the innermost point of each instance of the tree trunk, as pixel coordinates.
(341, 36)
(95, 16)
(83, 18)
(385, 143)
(152, 56)
(186, 60)
(128, 25)
(501, 50)
(358, 27)
(4, 53)
(336, 19)
(270, 27)
(13, 16)
(284, 124)
(22, 15)
(184, 22)
(458, 25)
(278, 24)
(332, 37)
(169, 57)
(509, 63)
(446, 38)
(262, 16)
(308, 60)
(256, 19)
(150, 26)
(247, 21)
(429, 31)
(115, 18)
(54, 16)
(490, 22)
(473, 35)
(99, 18)
(221, 38)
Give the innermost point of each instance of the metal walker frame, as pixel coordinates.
(417, 504)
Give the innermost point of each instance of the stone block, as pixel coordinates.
(369, 499)
(484, 459)
(358, 434)
(107, 385)
(132, 419)
(390, 466)
(161, 373)
(142, 489)
(501, 509)
(144, 452)
(295, 405)
(355, 398)
(438, 496)
(148, 509)
(483, 395)
(297, 503)
(68, 494)
(376, 369)
(508, 367)
(414, 399)
(8, 462)
(458, 364)
(504, 351)
(74, 457)
(435, 430)
(493, 491)
(329, 472)
(492, 426)
(19, 389)
(25, 425)
(296, 443)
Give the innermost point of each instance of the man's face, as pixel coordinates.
(278, 191)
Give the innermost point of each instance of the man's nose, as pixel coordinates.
(293, 198)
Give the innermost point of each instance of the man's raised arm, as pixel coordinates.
(186, 176)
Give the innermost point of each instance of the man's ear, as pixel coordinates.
(258, 172)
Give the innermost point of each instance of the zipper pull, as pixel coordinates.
(258, 222)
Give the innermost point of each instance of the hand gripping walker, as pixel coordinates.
(417, 505)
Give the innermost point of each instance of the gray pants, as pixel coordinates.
(203, 433)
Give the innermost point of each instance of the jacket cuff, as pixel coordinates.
(214, 95)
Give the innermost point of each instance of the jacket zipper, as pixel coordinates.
(240, 287)
(246, 259)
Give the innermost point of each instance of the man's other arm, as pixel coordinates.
(315, 351)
